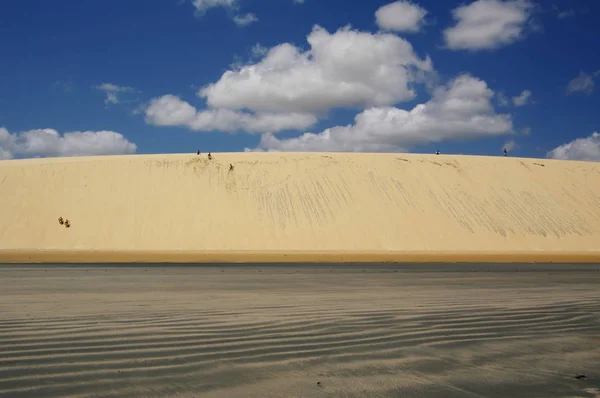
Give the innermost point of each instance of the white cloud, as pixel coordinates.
(580, 149)
(400, 16)
(4, 154)
(522, 99)
(462, 109)
(487, 24)
(502, 100)
(299, 1)
(258, 50)
(583, 83)
(345, 69)
(169, 110)
(7, 142)
(245, 20)
(112, 91)
(202, 6)
(48, 142)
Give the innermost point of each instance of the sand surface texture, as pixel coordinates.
(273, 331)
(298, 207)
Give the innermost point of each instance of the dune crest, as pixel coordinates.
(299, 207)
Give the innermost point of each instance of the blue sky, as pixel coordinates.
(172, 76)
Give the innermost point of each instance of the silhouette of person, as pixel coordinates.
(505, 152)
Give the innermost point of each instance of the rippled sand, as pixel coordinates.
(276, 331)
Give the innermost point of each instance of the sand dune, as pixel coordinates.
(299, 207)
(210, 332)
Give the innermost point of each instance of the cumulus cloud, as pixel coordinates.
(462, 109)
(112, 91)
(487, 24)
(48, 142)
(522, 99)
(400, 16)
(345, 69)
(583, 83)
(579, 149)
(170, 110)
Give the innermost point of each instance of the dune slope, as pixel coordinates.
(298, 207)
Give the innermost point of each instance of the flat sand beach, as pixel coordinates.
(298, 207)
(267, 330)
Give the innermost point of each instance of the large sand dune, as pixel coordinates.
(299, 207)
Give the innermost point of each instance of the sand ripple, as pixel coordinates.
(277, 332)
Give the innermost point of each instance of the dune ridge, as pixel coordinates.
(299, 207)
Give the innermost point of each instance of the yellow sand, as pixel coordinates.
(299, 207)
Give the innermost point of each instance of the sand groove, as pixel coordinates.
(274, 333)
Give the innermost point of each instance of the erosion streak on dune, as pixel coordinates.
(299, 207)
(239, 331)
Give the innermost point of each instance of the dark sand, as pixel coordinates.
(276, 331)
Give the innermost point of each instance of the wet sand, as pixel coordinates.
(447, 330)
(316, 257)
